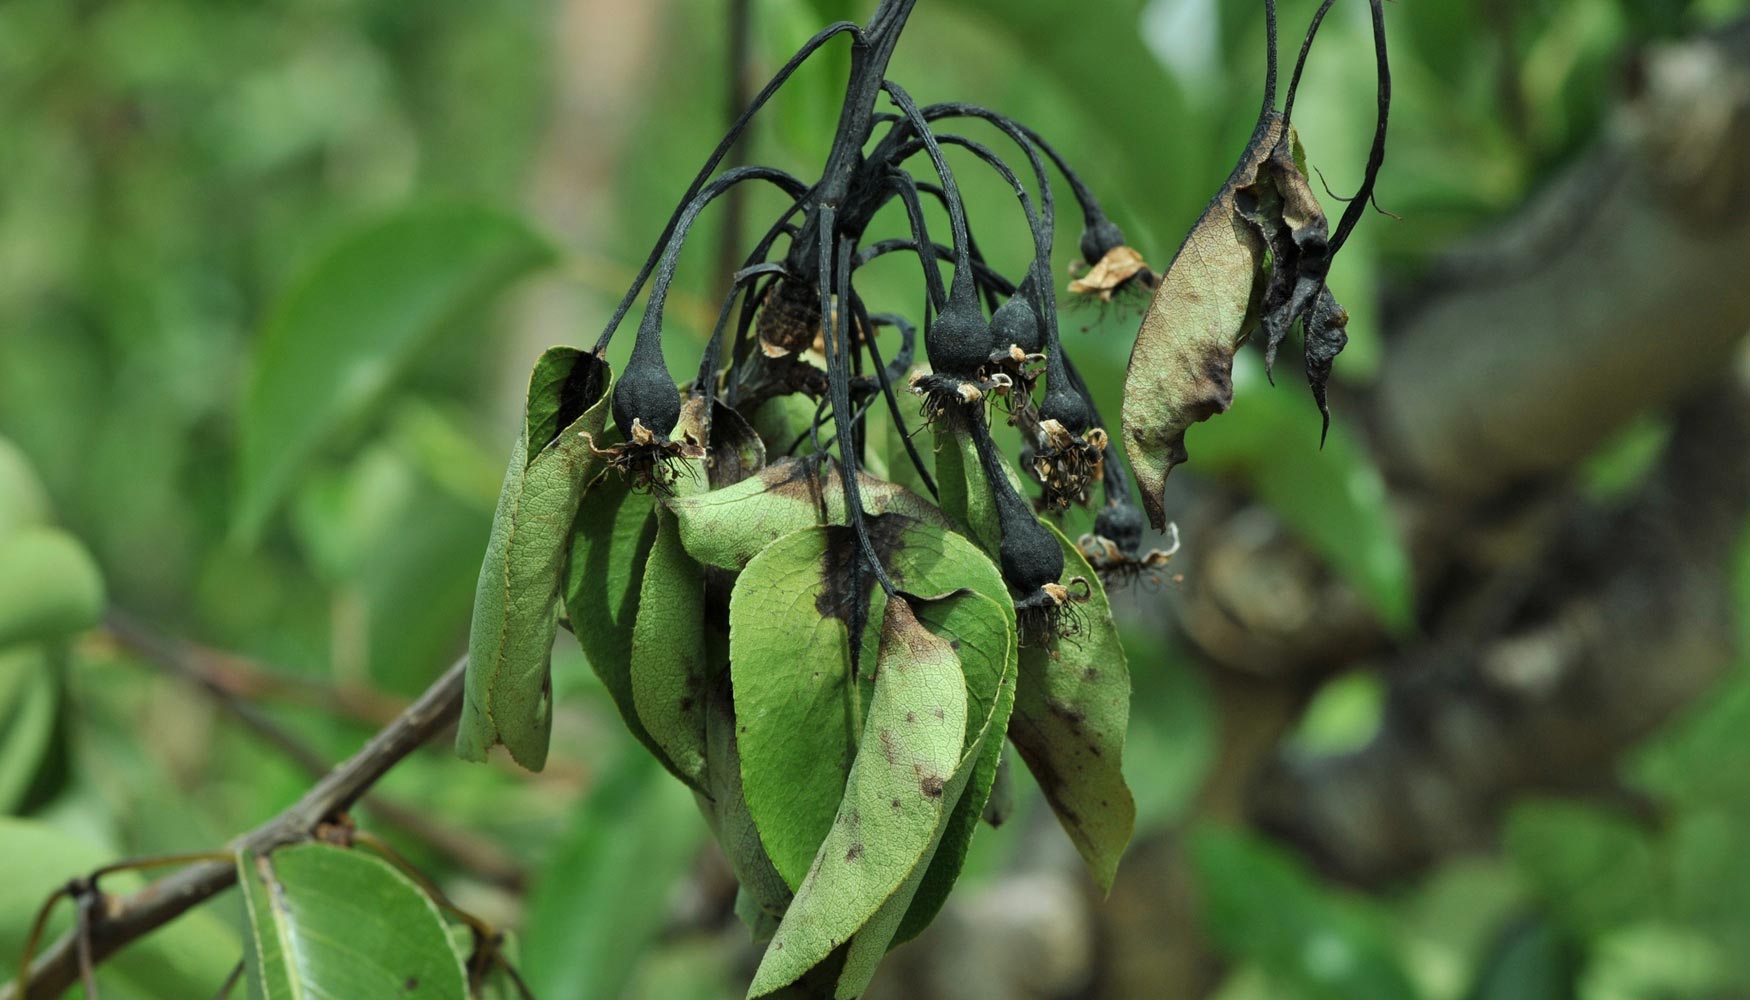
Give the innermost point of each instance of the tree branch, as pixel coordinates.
(122, 920)
(1618, 289)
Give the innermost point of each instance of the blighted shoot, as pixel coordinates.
(811, 584)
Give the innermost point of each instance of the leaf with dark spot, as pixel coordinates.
(1181, 367)
(727, 527)
(872, 848)
(796, 696)
(1072, 708)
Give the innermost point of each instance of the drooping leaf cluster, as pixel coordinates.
(830, 659)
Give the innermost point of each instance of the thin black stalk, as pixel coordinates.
(886, 376)
(834, 290)
(778, 80)
(1375, 156)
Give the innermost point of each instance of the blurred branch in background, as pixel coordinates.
(122, 920)
(185, 661)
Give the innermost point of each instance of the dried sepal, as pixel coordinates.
(1052, 611)
(1120, 268)
(1067, 465)
(1120, 561)
(647, 462)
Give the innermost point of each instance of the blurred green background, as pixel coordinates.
(180, 184)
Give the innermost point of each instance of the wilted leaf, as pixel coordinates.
(982, 633)
(604, 574)
(1260, 906)
(1072, 707)
(328, 922)
(900, 788)
(516, 603)
(669, 659)
(349, 326)
(729, 526)
(1181, 365)
(732, 824)
(49, 586)
(669, 662)
(601, 899)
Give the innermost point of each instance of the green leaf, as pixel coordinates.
(23, 501)
(30, 698)
(669, 659)
(795, 711)
(966, 499)
(790, 659)
(1531, 960)
(516, 602)
(329, 922)
(349, 326)
(1593, 871)
(1072, 708)
(188, 958)
(1181, 367)
(899, 791)
(764, 894)
(602, 898)
(1334, 500)
(49, 586)
(604, 575)
(1261, 906)
(726, 528)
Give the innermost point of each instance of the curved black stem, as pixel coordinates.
(1300, 64)
(650, 328)
(950, 190)
(988, 278)
(834, 300)
(886, 375)
(902, 185)
(778, 80)
(1375, 156)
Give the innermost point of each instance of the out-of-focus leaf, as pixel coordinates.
(729, 526)
(1072, 707)
(1181, 367)
(603, 896)
(1593, 871)
(187, 958)
(516, 603)
(328, 922)
(790, 659)
(1531, 960)
(29, 700)
(22, 498)
(1334, 499)
(351, 323)
(1261, 906)
(904, 782)
(49, 586)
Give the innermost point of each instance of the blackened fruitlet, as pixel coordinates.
(648, 395)
(1100, 239)
(1016, 324)
(1122, 525)
(1031, 558)
(958, 341)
